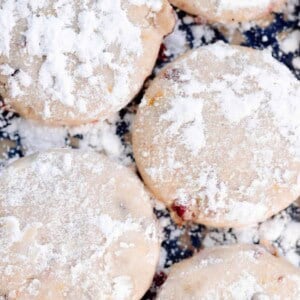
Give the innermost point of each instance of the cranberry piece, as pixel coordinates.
(280, 279)
(162, 56)
(159, 278)
(179, 209)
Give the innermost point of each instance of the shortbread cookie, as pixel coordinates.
(73, 62)
(74, 225)
(232, 272)
(229, 11)
(217, 136)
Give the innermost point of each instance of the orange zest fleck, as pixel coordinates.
(276, 187)
(157, 96)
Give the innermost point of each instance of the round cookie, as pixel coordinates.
(72, 62)
(217, 136)
(229, 11)
(232, 272)
(72, 227)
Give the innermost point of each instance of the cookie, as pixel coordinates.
(229, 11)
(72, 227)
(232, 272)
(216, 137)
(73, 62)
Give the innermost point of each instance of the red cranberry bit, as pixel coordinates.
(179, 209)
(280, 278)
(159, 279)
(258, 254)
(173, 74)
(162, 55)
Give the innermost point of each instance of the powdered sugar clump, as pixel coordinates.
(291, 43)
(184, 116)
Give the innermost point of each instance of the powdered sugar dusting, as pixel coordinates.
(186, 116)
(240, 100)
(100, 137)
(155, 5)
(77, 49)
(291, 42)
(224, 5)
(232, 272)
(189, 32)
(245, 286)
(56, 241)
(122, 287)
(281, 233)
(202, 104)
(89, 44)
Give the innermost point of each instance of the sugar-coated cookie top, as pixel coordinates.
(217, 133)
(232, 273)
(236, 5)
(75, 52)
(242, 88)
(228, 11)
(74, 225)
